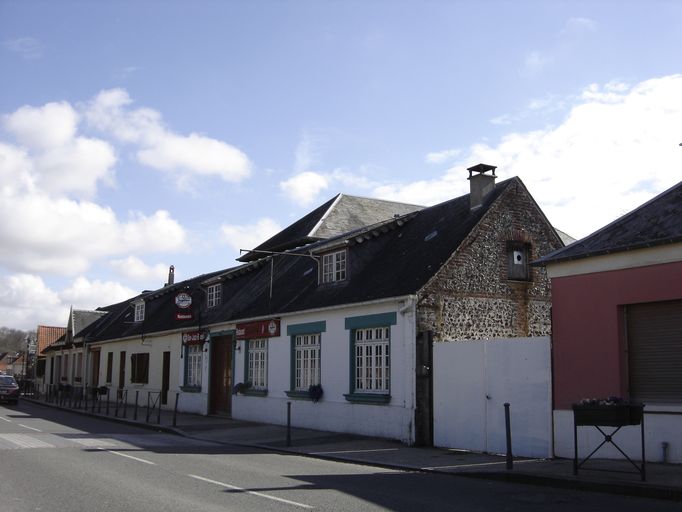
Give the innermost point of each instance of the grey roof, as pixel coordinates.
(353, 212)
(565, 237)
(655, 223)
(81, 318)
(341, 214)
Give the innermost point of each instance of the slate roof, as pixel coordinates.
(81, 319)
(657, 222)
(47, 335)
(393, 258)
(341, 214)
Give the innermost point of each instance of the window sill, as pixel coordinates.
(368, 398)
(190, 389)
(299, 395)
(255, 392)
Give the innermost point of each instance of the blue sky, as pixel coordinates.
(135, 135)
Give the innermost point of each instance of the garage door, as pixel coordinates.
(654, 333)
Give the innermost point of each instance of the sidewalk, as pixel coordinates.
(664, 481)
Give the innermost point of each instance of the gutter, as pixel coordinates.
(411, 299)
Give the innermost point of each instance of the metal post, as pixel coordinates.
(158, 414)
(288, 423)
(641, 429)
(507, 424)
(175, 410)
(147, 420)
(108, 389)
(575, 445)
(137, 394)
(125, 402)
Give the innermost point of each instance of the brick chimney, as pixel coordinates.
(481, 183)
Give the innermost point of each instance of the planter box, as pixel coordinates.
(608, 415)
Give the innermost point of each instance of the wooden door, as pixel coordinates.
(94, 368)
(122, 369)
(220, 401)
(165, 377)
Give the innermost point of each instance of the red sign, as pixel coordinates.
(184, 316)
(260, 329)
(194, 337)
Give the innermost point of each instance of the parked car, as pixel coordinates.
(9, 389)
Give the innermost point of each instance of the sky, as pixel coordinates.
(135, 135)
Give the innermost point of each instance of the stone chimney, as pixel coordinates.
(481, 183)
(171, 275)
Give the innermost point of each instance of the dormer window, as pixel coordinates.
(139, 311)
(334, 267)
(214, 295)
(518, 255)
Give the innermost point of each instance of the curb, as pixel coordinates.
(624, 489)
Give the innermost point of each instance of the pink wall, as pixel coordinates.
(587, 333)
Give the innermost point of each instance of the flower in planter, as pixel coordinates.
(242, 387)
(315, 392)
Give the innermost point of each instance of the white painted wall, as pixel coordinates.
(472, 381)
(658, 428)
(333, 412)
(155, 346)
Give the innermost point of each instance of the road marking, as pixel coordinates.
(25, 441)
(479, 464)
(30, 428)
(131, 457)
(260, 494)
(357, 451)
(95, 442)
(5, 419)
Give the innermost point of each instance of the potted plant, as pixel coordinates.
(609, 412)
(241, 387)
(315, 392)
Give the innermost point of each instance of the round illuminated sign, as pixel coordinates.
(183, 300)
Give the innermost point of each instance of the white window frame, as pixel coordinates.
(306, 361)
(257, 364)
(372, 360)
(139, 311)
(195, 359)
(334, 266)
(214, 295)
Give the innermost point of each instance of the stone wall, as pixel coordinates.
(472, 298)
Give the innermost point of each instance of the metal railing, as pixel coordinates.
(104, 400)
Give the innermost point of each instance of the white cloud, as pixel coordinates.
(57, 160)
(134, 268)
(616, 148)
(28, 47)
(62, 236)
(86, 294)
(182, 155)
(250, 235)
(440, 157)
(305, 187)
(25, 301)
(49, 126)
(307, 152)
(535, 62)
(577, 26)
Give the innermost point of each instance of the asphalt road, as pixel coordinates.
(54, 461)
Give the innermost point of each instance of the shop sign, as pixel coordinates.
(183, 300)
(260, 329)
(184, 316)
(194, 337)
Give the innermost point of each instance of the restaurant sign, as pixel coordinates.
(194, 337)
(260, 329)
